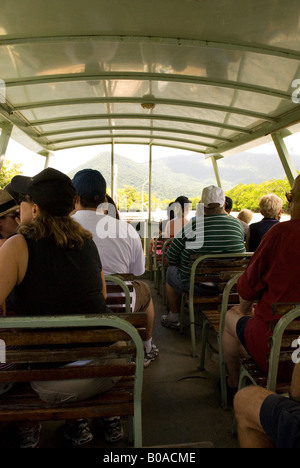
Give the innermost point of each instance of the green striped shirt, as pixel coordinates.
(208, 234)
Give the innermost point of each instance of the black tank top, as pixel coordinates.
(60, 281)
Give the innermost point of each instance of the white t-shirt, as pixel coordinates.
(118, 243)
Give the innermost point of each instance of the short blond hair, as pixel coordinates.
(245, 215)
(270, 205)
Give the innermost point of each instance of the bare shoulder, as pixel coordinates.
(14, 247)
(16, 241)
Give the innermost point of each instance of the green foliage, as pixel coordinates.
(130, 199)
(243, 196)
(8, 171)
(248, 196)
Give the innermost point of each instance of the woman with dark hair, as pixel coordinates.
(52, 267)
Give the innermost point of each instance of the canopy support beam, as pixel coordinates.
(112, 171)
(6, 129)
(284, 156)
(214, 158)
(46, 154)
(150, 184)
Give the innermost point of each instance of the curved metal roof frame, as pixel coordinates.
(191, 74)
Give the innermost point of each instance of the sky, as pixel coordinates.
(66, 160)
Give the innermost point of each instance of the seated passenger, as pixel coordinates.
(170, 214)
(8, 227)
(266, 419)
(245, 216)
(199, 238)
(151, 252)
(111, 207)
(9, 213)
(181, 208)
(272, 276)
(118, 244)
(241, 216)
(270, 207)
(49, 250)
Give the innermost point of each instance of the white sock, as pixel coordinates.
(148, 345)
(173, 317)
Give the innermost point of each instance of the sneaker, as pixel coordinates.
(78, 432)
(149, 357)
(113, 430)
(30, 434)
(167, 322)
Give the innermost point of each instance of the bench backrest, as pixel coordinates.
(161, 246)
(119, 294)
(46, 341)
(284, 344)
(218, 269)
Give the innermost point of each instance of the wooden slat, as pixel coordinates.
(26, 356)
(64, 336)
(113, 288)
(283, 307)
(74, 372)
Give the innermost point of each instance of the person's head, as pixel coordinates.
(8, 214)
(170, 211)
(245, 215)
(90, 186)
(213, 199)
(293, 197)
(12, 193)
(228, 204)
(270, 206)
(46, 201)
(181, 206)
(111, 207)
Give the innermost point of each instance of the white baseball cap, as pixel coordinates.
(213, 194)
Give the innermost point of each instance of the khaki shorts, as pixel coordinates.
(143, 296)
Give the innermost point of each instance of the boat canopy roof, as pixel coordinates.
(209, 76)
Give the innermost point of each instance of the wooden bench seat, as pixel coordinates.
(44, 344)
(217, 269)
(119, 293)
(285, 331)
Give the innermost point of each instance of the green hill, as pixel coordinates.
(181, 175)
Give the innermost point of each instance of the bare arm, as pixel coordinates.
(103, 285)
(295, 386)
(246, 307)
(13, 264)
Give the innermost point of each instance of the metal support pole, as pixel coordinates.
(112, 171)
(148, 236)
(47, 160)
(150, 184)
(6, 129)
(284, 156)
(214, 159)
(46, 154)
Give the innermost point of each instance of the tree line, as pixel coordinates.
(130, 199)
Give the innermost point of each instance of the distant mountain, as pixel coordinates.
(181, 175)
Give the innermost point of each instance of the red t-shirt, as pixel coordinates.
(272, 276)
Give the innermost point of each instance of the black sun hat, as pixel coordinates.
(52, 190)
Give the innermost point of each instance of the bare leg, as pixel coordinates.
(174, 299)
(150, 320)
(247, 405)
(233, 350)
